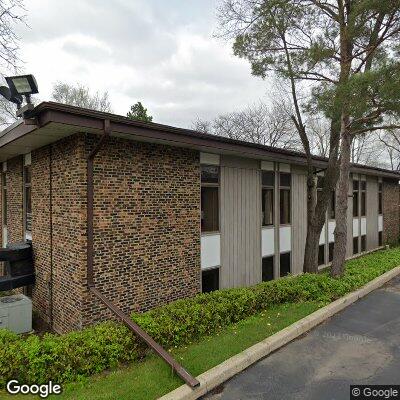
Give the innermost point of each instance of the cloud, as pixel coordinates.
(160, 53)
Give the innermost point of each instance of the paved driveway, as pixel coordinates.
(360, 345)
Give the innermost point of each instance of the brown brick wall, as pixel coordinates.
(147, 226)
(15, 200)
(41, 231)
(391, 215)
(147, 230)
(68, 228)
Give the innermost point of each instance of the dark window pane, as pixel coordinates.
(355, 204)
(320, 181)
(355, 245)
(356, 185)
(363, 243)
(331, 248)
(332, 206)
(209, 174)
(319, 193)
(268, 268)
(321, 254)
(363, 204)
(380, 203)
(210, 280)
(380, 241)
(267, 207)
(285, 179)
(268, 178)
(363, 185)
(380, 186)
(285, 206)
(285, 264)
(209, 209)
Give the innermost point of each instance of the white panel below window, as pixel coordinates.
(380, 223)
(355, 227)
(363, 226)
(331, 230)
(285, 239)
(322, 238)
(210, 251)
(268, 243)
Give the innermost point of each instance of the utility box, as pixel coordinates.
(16, 313)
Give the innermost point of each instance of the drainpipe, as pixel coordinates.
(136, 329)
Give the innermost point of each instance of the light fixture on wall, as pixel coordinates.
(19, 87)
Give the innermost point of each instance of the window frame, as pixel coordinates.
(263, 188)
(363, 199)
(285, 253)
(209, 270)
(262, 268)
(357, 202)
(283, 188)
(210, 185)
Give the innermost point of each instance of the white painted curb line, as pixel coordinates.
(224, 371)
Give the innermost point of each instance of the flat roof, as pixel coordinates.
(53, 121)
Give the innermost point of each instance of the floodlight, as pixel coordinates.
(23, 85)
(18, 86)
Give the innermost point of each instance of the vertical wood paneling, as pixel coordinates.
(240, 225)
(299, 222)
(372, 212)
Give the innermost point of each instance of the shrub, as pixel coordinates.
(69, 357)
(184, 321)
(64, 358)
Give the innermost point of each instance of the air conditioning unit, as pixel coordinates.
(16, 313)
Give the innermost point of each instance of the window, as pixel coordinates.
(332, 205)
(209, 198)
(268, 268)
(355, 198)
(380, 241)
(268, 183)
(27, 199)
(210, 280)
(331, 249)
(363, 242)
(285, 264)
(4, 197)
(380, 198)
(284, 198)
(363, 198)
(321, 254)
(355, 245)
(320, 185)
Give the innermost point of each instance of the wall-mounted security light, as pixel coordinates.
(18, 88)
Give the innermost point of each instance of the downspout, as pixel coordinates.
(189, 379)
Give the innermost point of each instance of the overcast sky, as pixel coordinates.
(156, 51)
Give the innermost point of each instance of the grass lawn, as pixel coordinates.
(152, 378)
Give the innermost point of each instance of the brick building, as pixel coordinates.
(174, 211)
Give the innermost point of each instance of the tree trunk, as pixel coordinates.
(339, 253)
(312, 239)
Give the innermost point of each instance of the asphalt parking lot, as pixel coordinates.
(360, 345)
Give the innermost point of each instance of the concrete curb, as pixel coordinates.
(226, 370)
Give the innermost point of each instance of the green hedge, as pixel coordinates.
(69, 357)
(64, 358)
(185, 321)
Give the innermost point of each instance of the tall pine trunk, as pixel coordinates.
(339, 253)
